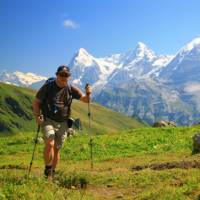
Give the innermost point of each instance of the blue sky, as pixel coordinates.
(39, 35)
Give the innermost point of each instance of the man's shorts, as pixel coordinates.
(56, 131)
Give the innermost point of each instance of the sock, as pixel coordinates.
(48, 167)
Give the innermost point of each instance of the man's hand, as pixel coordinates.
(39, 119)
(36, 111)
(88, 89)
(87, 98)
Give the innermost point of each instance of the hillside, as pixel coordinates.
(15, 109)
(16, 113)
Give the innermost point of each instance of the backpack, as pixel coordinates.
(50, 109)
(50, 80)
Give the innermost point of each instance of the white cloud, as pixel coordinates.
(69, 24)
(193, 87)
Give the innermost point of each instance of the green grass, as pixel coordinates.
(112, 176)
(126, 143)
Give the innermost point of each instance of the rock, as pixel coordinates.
(172, 124)
(119, 196)
(196, 143)
(73, 187)
(109, 185)
(196, 124)
(164, 124)
(70, 132)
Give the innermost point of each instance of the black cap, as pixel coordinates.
(63, 69)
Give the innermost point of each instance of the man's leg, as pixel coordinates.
(60, 135)
(56, 158)
(49, 152)
(48, 156)
(49, 136)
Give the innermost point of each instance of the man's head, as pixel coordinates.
(63, 70)
(63, 74)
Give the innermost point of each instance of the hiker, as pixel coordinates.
(53, 103)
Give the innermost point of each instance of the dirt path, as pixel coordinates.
(168, 165)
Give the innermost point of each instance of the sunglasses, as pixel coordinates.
(63, 75)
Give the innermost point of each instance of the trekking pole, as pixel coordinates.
(91, 153)
(91, 140)
(89, 113)
(36, 140)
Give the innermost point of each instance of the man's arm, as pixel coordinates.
(36, 110)
(84, 98)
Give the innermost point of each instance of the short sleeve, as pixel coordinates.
(41, 93)
(76, 92)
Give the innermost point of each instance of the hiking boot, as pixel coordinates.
(47, 171)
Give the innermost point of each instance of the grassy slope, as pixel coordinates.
(112, 177)
(103, 120)
(16, 99)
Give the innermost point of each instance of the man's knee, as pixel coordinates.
(49, 143)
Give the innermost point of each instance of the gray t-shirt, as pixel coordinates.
(56, 101)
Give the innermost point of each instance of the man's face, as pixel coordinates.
(62, 78)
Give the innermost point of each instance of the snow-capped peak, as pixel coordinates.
(194, 43)
(141, 45)
(82, 57)
(29, 78)
(20, 78)
(82, 52)
(143, 51)
(186, 50)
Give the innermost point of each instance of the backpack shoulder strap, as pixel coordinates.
(69, 87)
(48, 84)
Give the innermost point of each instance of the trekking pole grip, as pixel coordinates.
(86, 89)
(86, 85)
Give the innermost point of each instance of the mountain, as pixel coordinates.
(21, 79)
(138, 63)
(169, 92)
(186, 64)
(115, 68)
(16, 113)
(150, 101)
(183, 74)
(86, 68)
